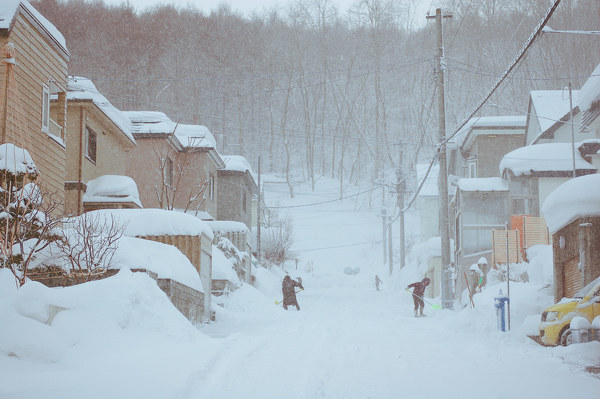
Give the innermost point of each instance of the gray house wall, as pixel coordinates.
(232, 190)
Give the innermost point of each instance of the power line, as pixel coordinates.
(323, 202)
(537, 32)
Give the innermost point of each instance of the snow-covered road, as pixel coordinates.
(353, 342)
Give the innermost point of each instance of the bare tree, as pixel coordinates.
(89, 244)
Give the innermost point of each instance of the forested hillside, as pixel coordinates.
(318, 93)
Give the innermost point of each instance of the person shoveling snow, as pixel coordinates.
(288, 287)
(418, 291)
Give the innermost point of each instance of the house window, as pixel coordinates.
(472, 168)
(90, 144)
(211, 188)
(45, 109)
(168, 172)
(244, 201)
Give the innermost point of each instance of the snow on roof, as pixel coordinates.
(16, 160)
(576, 198)
(547, 157)
(482, 184)
(430, 187)
(496, 122)
(112, 188)
(153, 122)
(590, 92)
(80, 88)
(551, 105)
(163, 259)
(236, 163)
(222, 267)
(227, 226)
(9, 9)
(156, 222)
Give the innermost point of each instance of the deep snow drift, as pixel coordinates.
(121, 337)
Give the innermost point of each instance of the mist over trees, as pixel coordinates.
(317, 93)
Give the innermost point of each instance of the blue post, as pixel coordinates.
(500, 306)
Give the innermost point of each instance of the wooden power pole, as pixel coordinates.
(447, 298)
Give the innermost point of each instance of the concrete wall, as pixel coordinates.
(188, 301)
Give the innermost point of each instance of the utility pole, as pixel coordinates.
(400, 188)
(447, 298)
(572, 129)
(383, 216)
(258, 211)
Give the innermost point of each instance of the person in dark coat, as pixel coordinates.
(288, 287)
(418, 292)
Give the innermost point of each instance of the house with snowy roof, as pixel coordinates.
(99, 140)
(481, 208)
(476, 150)
(573, 215)
(534, 171)
(34, 68)
(236, 189)
(175, 165)
(589, 105)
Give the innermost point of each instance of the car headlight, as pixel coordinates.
(551, 316)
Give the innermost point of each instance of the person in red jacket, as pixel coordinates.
(418, 292)
(288, 287)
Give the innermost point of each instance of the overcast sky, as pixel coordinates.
(247, 6)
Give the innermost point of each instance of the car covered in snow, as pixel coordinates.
(556, 319)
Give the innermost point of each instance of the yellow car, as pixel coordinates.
(556, 320)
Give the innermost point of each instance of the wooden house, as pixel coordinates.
(33, 86)
(573, 215)
(533, 172)
(477, 149)
(175, 165)
(481, 208)
(99, 141)
(235, 190)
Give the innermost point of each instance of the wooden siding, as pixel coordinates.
(112, 148)
(37, 63)
(572, 277)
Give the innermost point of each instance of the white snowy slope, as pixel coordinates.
(121, 337)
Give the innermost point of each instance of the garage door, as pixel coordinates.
(572, 277)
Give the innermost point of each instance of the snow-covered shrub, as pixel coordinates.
(28, 219)
(277, 239)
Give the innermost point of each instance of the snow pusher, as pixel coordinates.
(280, 302)
(425, 300)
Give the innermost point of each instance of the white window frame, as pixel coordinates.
(89, 156)
(169, 172)
(45, 108)
(472, 168)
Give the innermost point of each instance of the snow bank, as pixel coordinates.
(576, 198)
(46, 324)
(222, 267)
(165, 260)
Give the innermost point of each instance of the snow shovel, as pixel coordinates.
(278, 302)
(426, 301)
